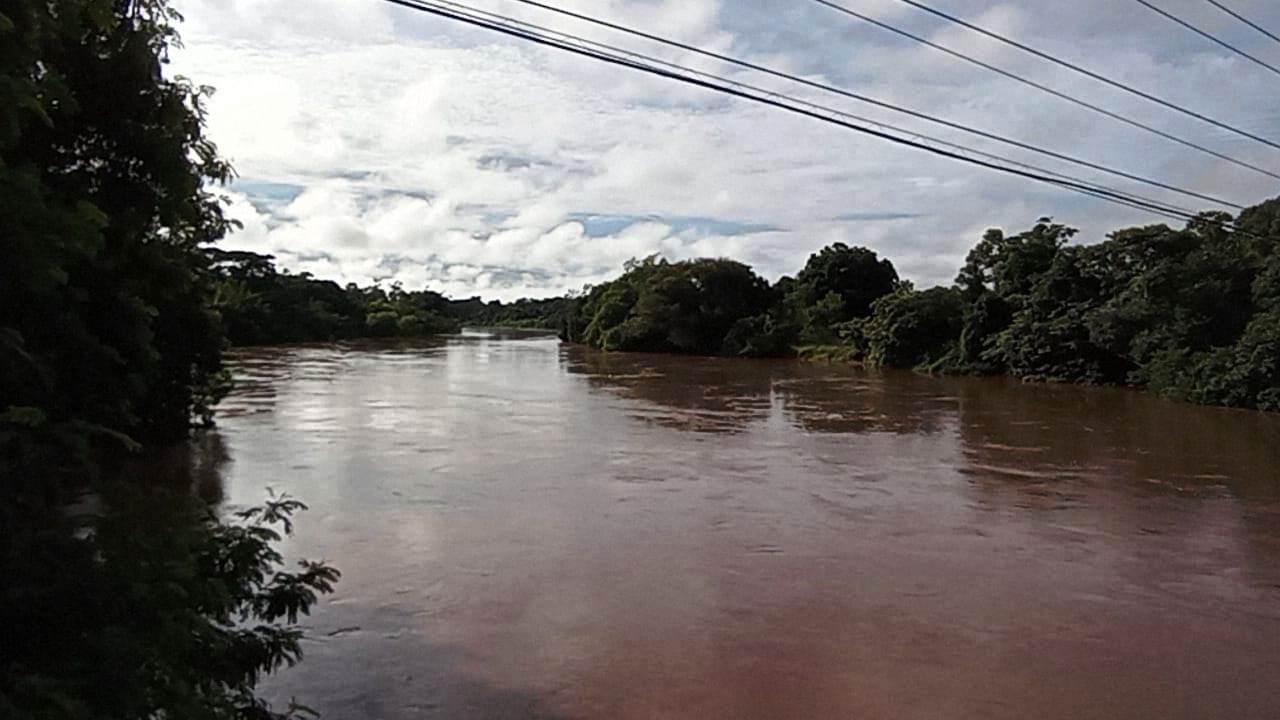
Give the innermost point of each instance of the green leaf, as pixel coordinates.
(25, 416)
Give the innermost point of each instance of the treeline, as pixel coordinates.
(259, 304)
(1191, 313)
(542, 314)
(120, 597)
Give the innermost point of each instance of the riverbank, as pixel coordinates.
(1191, 314)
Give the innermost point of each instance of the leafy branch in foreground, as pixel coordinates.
(159, 610)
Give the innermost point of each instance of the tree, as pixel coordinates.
(1213, 335)
(998, 274)
(259, 305)
(909, 328)
(161, 610)
(1048, 337)
(1009, 265)
(1190, 313)
(688, 307)
(857, 275)
(103, 196)
(109, 344)
(1187, 289)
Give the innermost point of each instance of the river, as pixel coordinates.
(528, 529)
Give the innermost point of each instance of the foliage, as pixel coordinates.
(1049, 338)
(260, 305)
(818, 317)
(856, 275)
(103, 168)
(543, 314)
(985, 316)
(770, 334)
(1177, 311)
(1009, 265)
(156, 608)
(692, 307)
(109, 343)
(1190, 313)
(1185, 289)
(909, 328)
(830, 354)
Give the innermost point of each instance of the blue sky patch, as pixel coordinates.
(876, 216)
(602, 225)
(266, 196)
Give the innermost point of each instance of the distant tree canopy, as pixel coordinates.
(259, 304)
(542, 314)
(685, 307)
(1191, 313)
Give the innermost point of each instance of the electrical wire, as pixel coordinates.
(1100, 193)
(1244, 19)
(1089, 73)
(1045, 88)
(883, 104)
(1203, 34)
(498, 17)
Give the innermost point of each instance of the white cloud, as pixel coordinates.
(378, 144)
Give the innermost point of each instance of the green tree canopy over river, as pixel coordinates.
(1191, 313)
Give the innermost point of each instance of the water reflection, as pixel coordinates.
(418, 679)
(529, 530)
(719, 395)
(836, 400)
(197, 466)
(1106, 435)
(714, 395)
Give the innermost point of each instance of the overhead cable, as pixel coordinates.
(1089, 73)
(1045, 88)
(441, 11)
(826, 87)
(1213, 38)
(1244, 19)
(507, 20)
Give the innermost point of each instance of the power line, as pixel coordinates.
(1045, 88)
(1100, 193)
(887, 105)
(1207, 36)
(1089, 73)
(1179, 211)
(1243, 19)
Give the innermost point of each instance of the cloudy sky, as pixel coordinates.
(375, 143)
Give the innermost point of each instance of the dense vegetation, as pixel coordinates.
(260, 305)
(544, 314)
(120, 598)
(1191, 313)
(699, 306)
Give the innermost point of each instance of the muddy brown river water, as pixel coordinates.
(528, 529)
